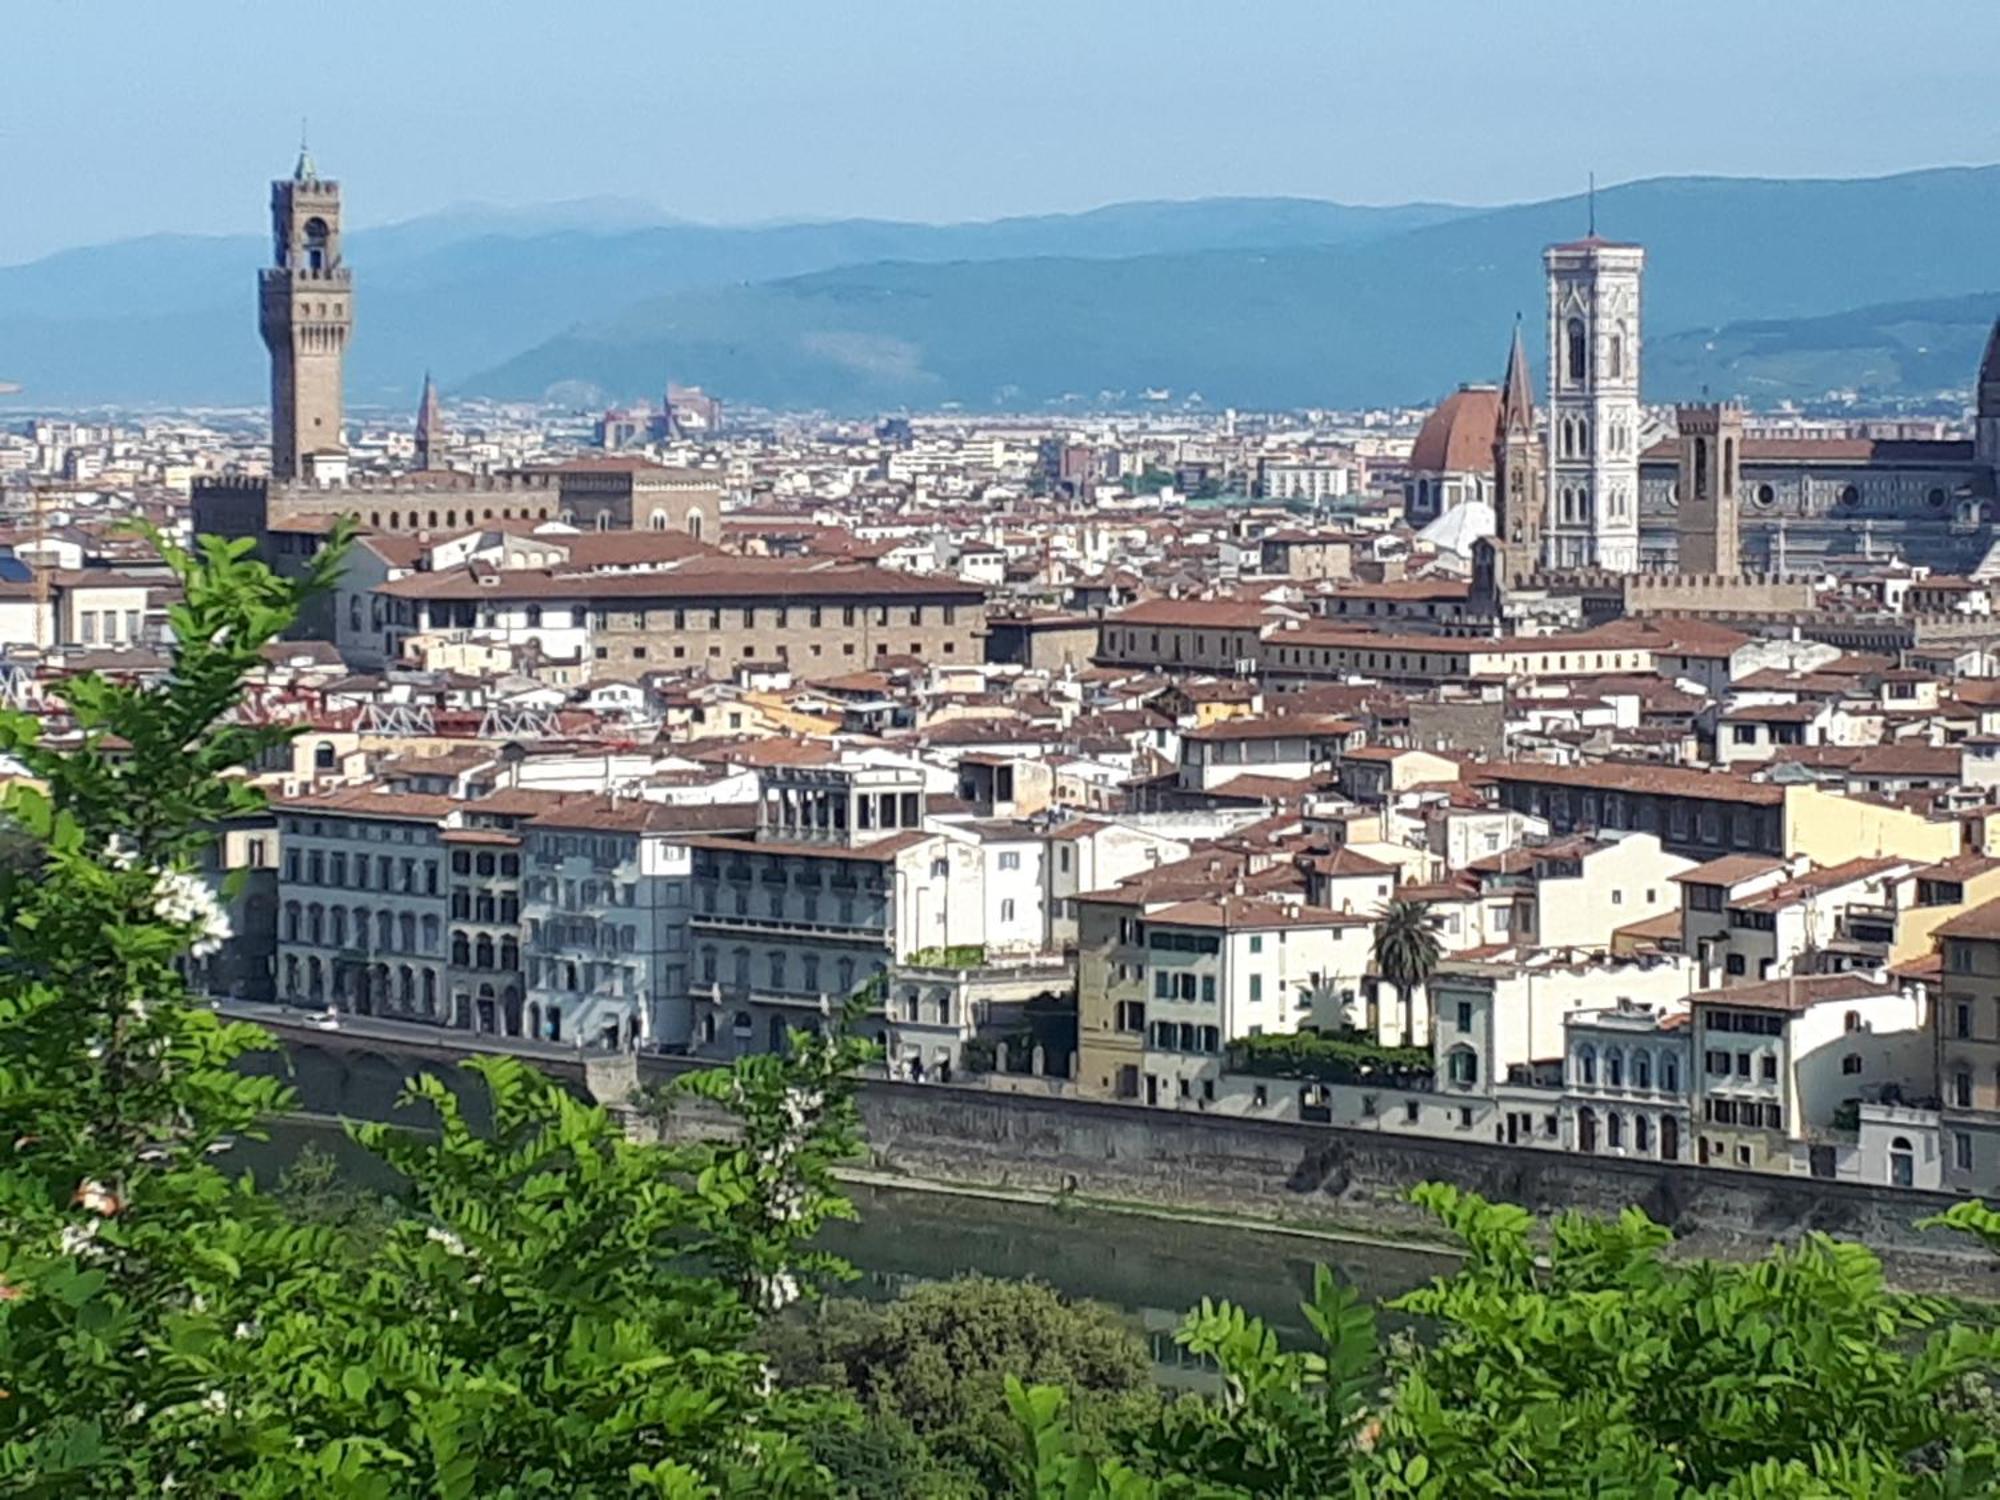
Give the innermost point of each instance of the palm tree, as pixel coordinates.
(1406, 952)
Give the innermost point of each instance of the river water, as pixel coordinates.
(1150, 1269)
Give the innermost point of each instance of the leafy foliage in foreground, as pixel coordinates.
(554, 1310)
(935, 1363)
(1590, 1363)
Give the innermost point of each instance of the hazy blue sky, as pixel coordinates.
(122, 117)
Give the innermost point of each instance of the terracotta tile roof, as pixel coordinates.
(1796, 994)
(365, 802)
(1271, 727)
(1730, 869)
(1196, 614)
(1343, 862)
(757, 580)
(1664, 928)
(1458, 434)
(1263, 788)
(1644, 779)
(1251, 911)
(1960, 867)
(1982, 922)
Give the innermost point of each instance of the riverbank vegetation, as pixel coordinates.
(550, 1309)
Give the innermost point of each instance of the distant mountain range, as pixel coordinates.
(172, 318)
(1763, 288)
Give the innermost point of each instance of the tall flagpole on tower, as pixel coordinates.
(1591, 199)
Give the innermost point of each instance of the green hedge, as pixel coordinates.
(1332, 1057)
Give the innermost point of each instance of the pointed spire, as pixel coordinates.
(305, 171)
(430, 424)
(1517, 395)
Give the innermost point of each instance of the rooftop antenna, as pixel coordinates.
(1592, 199)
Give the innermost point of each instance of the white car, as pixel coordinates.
(326, 1021)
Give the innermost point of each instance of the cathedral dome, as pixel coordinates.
(1457, 437)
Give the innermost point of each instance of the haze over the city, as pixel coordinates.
(908, 109)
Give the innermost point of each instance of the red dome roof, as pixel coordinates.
(1458, 435)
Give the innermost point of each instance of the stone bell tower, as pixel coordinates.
(305, 311)
(1708, 512)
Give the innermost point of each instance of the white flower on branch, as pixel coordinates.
(445, 1238)
(183, 899)
(777, 1291)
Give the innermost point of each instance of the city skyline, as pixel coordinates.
(976, 114)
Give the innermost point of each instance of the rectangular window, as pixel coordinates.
(1010, 860)
(1256, 944)
(1256, 988)
(1465, 1015)
(1961, 1150)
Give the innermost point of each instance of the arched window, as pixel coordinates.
(325, 756)
(1583, 437)
(1642, 1134)
(1902, 1163)
(510, 953)
(1729, 466)
(318, 244)
(741, 961)
(461, 950)
(1642, 1070)
(694, 524)
(1586, 1131)
(1614, 1068)
(482, 952)
(451, 518)
(291, 921)
(1701, 468)
(1577, 364)
(1614, 1131)
(1462, 1066)
(844, 976)
(604, 520)
(1852, 1021)
(534, 614)
(1586, 1064)
(658, 520)
(432, 520)
(555, 1023)
(1670, 1073)
(1614, 357)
